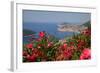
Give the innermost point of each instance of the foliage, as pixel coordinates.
(49, 48)
(27, 32)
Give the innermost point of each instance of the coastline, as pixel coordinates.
(71, 28)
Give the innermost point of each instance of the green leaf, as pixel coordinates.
(76, 55)
(49, 53)
(24, 59)
(35, 44)
(38, 59)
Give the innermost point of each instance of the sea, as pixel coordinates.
(51, 28)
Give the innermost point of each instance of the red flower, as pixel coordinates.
(39, 46)
(86, 54)
(65, 46)
(41, 34)
(80, 44)
(68, 53)
(25, 53)
(50, 44)
(87, 32)
(38, 39)
(31, 58)
(29, 46)
(71, 43)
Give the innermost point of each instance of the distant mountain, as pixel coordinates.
(27, 32)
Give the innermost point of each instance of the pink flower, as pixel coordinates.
(86, 54)
(68, 53)
(87, 32)
(29, 46)
(39, 46)
(50, 44)
(41, 34)
(64, 45)
(31, 58)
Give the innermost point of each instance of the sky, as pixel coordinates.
(55, 17)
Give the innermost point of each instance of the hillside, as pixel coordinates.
(27, 32)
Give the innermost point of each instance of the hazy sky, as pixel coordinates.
(55, 17)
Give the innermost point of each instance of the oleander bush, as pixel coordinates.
(49, 48)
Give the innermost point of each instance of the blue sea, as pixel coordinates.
(50, 28)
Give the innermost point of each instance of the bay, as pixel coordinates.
(50, 28)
